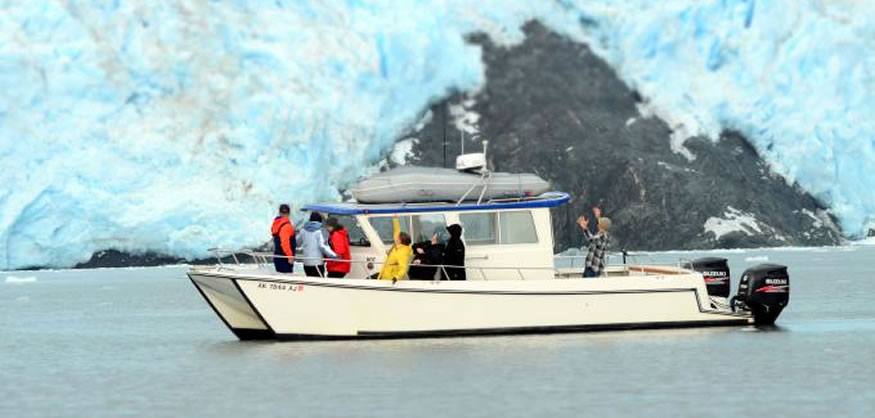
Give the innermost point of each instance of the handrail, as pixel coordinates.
(267, 255)
(652, 260)
(261, 259)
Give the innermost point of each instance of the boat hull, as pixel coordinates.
(269, 306)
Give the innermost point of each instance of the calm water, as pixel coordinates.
(119, 342)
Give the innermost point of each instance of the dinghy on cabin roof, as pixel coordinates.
(471, 180)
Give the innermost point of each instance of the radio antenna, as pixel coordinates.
(486, 160)
(445, 135)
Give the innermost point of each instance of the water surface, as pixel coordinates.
(117, 342)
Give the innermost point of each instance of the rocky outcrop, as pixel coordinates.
(550, 106)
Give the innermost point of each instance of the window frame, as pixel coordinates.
(497, 230)
(534, 226)
(363, 241)
(480, 242)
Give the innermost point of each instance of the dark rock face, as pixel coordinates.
(553, 108)
(115, 258)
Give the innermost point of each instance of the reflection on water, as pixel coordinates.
(142, 342)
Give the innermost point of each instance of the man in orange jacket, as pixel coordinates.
(283, 232)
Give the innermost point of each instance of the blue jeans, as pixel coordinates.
(589, 272)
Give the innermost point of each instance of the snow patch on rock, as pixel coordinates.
(733, 220)
(403, 150)
(464, 119)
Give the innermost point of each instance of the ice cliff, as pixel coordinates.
(176, 126)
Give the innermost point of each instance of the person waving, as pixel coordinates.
(398, 259)
(598, 243)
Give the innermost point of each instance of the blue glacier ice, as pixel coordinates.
(177, 126)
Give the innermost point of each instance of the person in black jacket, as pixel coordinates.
(427, 252)
(454, 254)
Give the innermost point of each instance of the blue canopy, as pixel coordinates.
(546, 200)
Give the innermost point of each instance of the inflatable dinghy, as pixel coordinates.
(429, 184)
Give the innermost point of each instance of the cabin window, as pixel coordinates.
(517, 228)
(383, 226)
(353, 230)
(424, 226)
(479, 228)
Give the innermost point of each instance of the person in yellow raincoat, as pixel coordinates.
(399, 256)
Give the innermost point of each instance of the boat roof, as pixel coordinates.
(546, 200)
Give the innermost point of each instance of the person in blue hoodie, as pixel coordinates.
(314, 246)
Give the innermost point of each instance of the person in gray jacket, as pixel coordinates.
(314, 246)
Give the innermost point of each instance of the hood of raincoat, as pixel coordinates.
(312, 226)
(455, 231)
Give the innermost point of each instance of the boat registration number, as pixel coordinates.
(282, 287)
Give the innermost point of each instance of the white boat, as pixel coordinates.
(513, 286)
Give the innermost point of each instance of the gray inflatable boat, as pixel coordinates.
(429, 184)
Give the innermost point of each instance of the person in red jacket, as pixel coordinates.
(283, 232)
(339, 241)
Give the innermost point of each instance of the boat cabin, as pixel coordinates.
(499, 235)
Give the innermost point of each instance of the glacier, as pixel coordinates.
(173, 127)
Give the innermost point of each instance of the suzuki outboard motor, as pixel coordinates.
(716, 272)
(764, 290)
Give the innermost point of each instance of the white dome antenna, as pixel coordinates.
(473, 162)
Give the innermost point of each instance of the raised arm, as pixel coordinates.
(584, 225)
(589, 236)
(396, 227)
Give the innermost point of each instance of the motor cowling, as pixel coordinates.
(764, 290)
(716, 273)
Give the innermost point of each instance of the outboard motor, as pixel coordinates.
(716, 272)
(764, 290)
